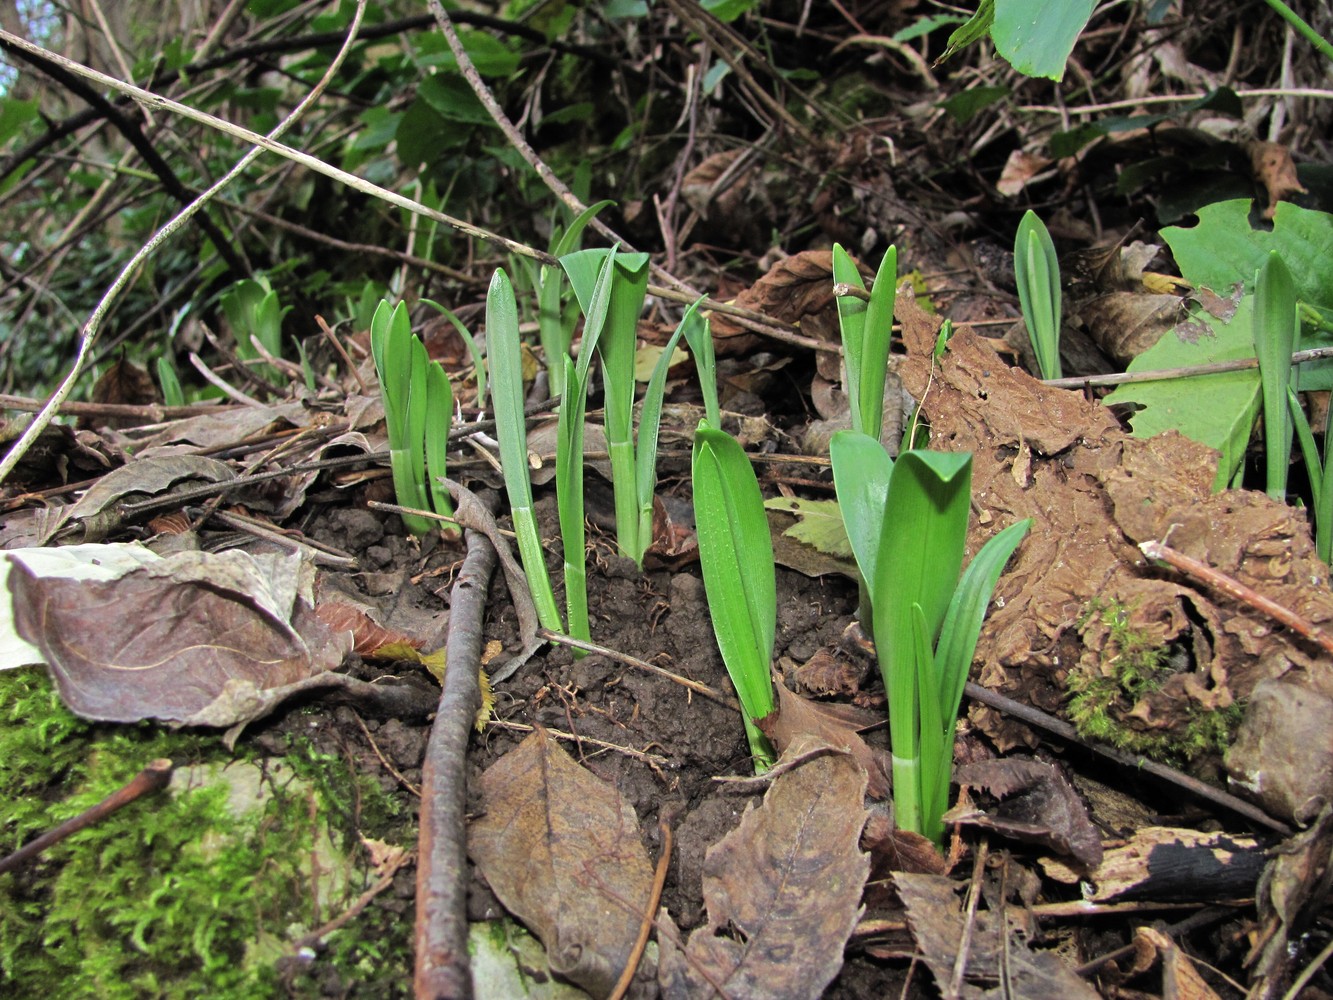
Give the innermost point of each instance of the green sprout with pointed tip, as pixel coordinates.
(418, 408)
(1037, 271)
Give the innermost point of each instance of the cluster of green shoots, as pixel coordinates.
(906, 520)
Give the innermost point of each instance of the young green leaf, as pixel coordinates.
(861, 473)
(439, 416)
(1276, 334)
(1037, 271)
(554, 330)
(569, 498)
(504, 354)
(736, 555)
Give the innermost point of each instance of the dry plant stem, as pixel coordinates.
(970, 922)
(630, 661)
(442, 968)
(1058, 727)
(649, 914)
(520, 727)
(1203, 918)
(88, 335)
(1097, 109)
(152, 778)
(1218, 580)
(1120, 378)
(150, 413)
(337, 344)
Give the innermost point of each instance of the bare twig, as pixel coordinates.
(632, 661)
(1232, 587)
(152, 778)
(1162, 374)
(442, 968)
(649, 915)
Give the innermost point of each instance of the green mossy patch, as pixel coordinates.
(1131, 666)
(183, 893)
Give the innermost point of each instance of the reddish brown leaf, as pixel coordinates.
(1275, 170)
(125, 383)
(368, 636)
(828, 722)
(797, 289)
(201, 639)
(1036, 805)
(561, 849)
(782, 890)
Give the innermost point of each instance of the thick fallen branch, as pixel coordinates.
(442, 968)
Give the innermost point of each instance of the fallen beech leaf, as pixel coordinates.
(1036, 805)
(126, 383)
(798, 290)
(935, 916)
(561, 849)
(893, 850)
(368, 636)
(196, 638)
(783, 891)
(832, 723)
(1274, 169)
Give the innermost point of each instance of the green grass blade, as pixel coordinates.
(1309, 452)
(170, 382)
(569, 497)
(417, 406)
(877, 334)
(391, 342)
(736, 554)
(439, 417)
(861, 473)
(504, 353)
(1276, 332)
(851, 324)
(1037, 271)
(650, 418)
(699, 337)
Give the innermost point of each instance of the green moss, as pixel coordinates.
(1130, 667)
(179, 894)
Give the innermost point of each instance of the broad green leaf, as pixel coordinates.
(1276, 333)
(736, 555)
(862, 470)
(1035, 38)
(963, 105)
(818, 524)
(1217, 410)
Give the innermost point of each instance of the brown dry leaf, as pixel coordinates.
(830, 672)
(833, 723)
(1020, 170)
(1274, 168)
(561, 849)
(1283, 752)
(368, 636)
(1180, 978)
(200, 639)
(1094, 493)
(797, 290)
(223, 429)
(893, 850)
(783, 891)
(1125, 324)
(1037, 805)
(1291, 894)
(935, 916)
(125, 383)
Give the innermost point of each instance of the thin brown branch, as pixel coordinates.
(442, 968)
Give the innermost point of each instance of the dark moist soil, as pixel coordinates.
(658, 615)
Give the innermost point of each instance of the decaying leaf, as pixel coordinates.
(205, 639)
(893, 850)
(829, 671)
(783, 892)
(808, 537)
(1274, 168)
(832, 723)
(935, 916)
(1036, 805)
(561, 850)
(797, 290)
(1283, 752)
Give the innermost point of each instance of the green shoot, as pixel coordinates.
(569, 457)
(1037, 271)
(555, 327)
(172, 393)
(503, 351)
(1320, 473)
(907, 523)
(391, 342)
(699, 337)
(478, 363)
(866, 327)
(736, 555)
(252, 310)
(629, 284)
(1276, 335)
(439, 414)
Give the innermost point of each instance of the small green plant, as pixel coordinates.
(1277, 330)
(907, 524)
(418, 407)
(866, 326)
(170, 382)
(1037, 271)
(736, 555)
(254, 314)
(555, 323)
(504, 355)
(633, 470)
